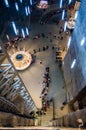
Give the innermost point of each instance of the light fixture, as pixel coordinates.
(68, 45)
(70, 1)
(8, 37)
(28, 9)
(14, 27)
(31, 2)
(27, 32)
(82, 41)
(63, 14)
(65, 26)
(16, 6)
(6, 3)
(23, 34)
(60, 3)
(76, 15)
(20, 1)
(73, 63)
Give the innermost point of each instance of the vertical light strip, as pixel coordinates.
(63, 14)
(68, 45)
(23, 34)
(16, 6)
(60, 3)
(73, 64)
(65, 26)
(70, 1)
(76, 14)
(27, 32)
(14, 27)
(28, 9)
(8, 37)
(31, 2)
(20, 1)
(6, 3)
(82, 41)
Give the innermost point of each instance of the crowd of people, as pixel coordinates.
(44, 93)
(58, 54)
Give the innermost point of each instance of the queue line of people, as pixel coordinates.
(44, 93)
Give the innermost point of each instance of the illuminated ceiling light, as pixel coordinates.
(65, 26)
(20, 1)
(82, 41)
(16, 6)
(43, 4)
(27, 32)
(68, 45)
(26, 11)
(76, 15)
(14, 27)
(63, 14)
(73, 63)
(60, 3)
(23, 34)
(6, 3)
(31, 2)
(70, 1)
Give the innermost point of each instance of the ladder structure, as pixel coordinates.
(14, 96)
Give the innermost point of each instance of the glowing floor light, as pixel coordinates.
(6, 3)
(60, 3)
(23, 34)
(14, 27)
(68, 45)
(73, 63)
(31, 2)
(63, 14)
(65, 26)
(82, 41)
(27, 32)
(16, 6)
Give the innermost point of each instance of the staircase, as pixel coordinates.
(46, 119)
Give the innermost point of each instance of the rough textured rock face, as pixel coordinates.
(77, 51)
